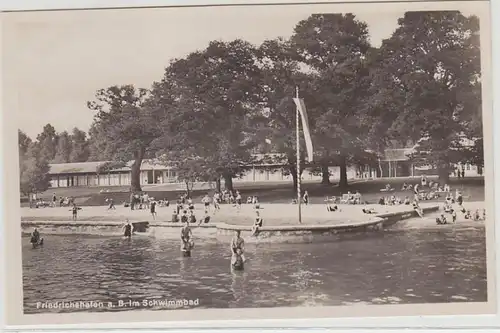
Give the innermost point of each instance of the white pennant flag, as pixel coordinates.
(305, 125)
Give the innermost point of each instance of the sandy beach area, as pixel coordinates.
(272, 214)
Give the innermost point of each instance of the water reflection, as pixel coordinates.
(411, 266)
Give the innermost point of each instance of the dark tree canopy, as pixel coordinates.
(212, 96)
(127, 126)
(432, 65)
(335, 47)
(218, 110)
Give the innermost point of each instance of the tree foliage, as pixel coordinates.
(432, 65)
(221, 109)
(125, 126)
(211, 96)
(34, 171)
(336, 47)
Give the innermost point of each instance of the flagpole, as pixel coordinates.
(299, 198)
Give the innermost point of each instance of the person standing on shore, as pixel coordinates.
(178, 206)
(111, 204)
(152, 207)
(206, 202)
(132, 201)
(238, 200)
(216, 201)
(305, 198)
(74, 210)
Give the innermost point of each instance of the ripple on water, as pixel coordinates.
(358, 271)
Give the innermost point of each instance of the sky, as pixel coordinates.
(55, 61)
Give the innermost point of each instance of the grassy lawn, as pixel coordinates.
(276, 192)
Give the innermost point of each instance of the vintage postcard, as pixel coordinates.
(248, 162)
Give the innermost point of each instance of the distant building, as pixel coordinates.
(397, 163)
(86, 174)
(394, 163)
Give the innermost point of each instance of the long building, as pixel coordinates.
(395, 163)
(87, 174)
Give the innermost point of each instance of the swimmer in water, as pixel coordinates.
(127, 230)
(35, 238)
(186, 238)
(237, 249)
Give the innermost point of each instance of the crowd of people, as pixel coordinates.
(36, 202)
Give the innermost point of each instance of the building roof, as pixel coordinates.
(401, 154)
(83, 167)
(262, 160)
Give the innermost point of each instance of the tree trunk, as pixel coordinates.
(293, 172)
(218, 185)
(343, 171)
(444, 174)
(228, 181)
(135, 177)
(325, 175)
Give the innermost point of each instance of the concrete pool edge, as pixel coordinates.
(223, 230)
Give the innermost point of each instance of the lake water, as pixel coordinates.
(434, 265)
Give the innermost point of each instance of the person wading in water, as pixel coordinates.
(35, 238)
(237, 250)
(186, 239)
(127, 230)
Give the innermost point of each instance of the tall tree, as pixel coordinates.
(24, 142)
(97, 144)
(213, 96)
(63, 148)
(280, 75)
(47, 140)
(433, 60)
(335, 47)
(34, 171)
(126, 126)
(79, 146)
